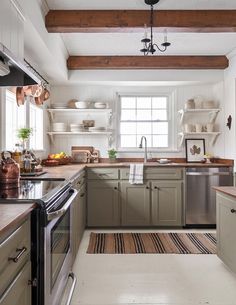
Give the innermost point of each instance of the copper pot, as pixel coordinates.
(9, 172)
(20, 96)
(43, 97)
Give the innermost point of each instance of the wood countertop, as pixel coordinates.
(11, 214)
(228, 190)
(69, 172)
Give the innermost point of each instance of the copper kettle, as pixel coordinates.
(9, 172)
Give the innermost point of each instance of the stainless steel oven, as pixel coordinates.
(57, 248)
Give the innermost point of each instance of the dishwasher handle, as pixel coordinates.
(208, 174)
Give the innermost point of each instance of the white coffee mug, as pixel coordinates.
(188, 127)
(198, 127)
(210, 127)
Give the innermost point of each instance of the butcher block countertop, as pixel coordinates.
(228, 190)
(12, 214)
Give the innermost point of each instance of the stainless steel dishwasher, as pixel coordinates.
(200, 197)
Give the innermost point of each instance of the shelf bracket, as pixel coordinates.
(181, 112)
(51, 115)
(214, 138)
(181, 135)
(213, 115)
(51, 137)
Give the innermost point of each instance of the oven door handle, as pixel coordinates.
(74, 280)
(62, 211)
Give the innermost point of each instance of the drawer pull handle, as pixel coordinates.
(16, 258)
(82, 195)
(233, 211)
(102, 175)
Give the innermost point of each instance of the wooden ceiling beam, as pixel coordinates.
(103, 21)
(146, 62)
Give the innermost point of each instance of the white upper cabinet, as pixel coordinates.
(12, 27)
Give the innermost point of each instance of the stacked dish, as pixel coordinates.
(76, 127)
(82, 105)
(99, 105)
(59, 127)
(97, 129)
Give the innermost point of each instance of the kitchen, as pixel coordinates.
(128, 161)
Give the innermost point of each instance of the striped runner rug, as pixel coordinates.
(161, 243)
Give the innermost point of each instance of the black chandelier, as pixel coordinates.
(148, 46)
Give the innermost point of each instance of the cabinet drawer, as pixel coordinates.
(16, 244)
(18, 292)
(150, 173)
(103, 173)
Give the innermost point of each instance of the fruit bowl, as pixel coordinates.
(61, 158)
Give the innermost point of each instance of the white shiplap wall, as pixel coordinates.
(108, 94)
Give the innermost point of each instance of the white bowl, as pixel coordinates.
(164, 161)
(100, 105)
(57, 127)
(82, 105)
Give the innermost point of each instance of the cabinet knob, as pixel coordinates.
(233, 211)
(147, 187)
(115, 188)
(156, 188)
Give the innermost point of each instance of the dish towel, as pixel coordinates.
(136, 174)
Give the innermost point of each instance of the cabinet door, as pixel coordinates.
(135, 204)
(226, 228)
(19, 292)
(103, 204)
(167, 203)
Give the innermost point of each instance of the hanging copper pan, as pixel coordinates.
(20, 96)
(43, 97)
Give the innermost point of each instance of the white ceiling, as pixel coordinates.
(139, 4)
(129, 44)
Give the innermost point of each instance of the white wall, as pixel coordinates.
(106, 93)
(230, 109)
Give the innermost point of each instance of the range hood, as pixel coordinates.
(14, 71)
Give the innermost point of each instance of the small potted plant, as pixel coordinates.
(112, 155)
(23, 134)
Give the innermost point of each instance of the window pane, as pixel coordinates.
(128, 115)
(128, 128)
(144, 128)
(159, 102)
(160, 141)
(149, 141)
(160, 128)
(160, 115)
(144, 115)
(128, 102)
(144, 102)
(15, 119)
(128, 141)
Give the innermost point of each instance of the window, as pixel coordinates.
(28, 115)
(148, 116)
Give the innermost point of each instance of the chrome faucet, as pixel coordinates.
(145, 150)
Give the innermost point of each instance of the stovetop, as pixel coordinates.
(40, 191)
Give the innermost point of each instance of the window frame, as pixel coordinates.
(3, 120)
(171, 114)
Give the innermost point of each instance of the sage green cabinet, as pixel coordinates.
(78, 214)
(167, 203)
(226, 228)
(15, 266)
(19, 292)
(103, 204)
(135, 204)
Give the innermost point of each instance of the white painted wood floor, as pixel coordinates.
(151, 279)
